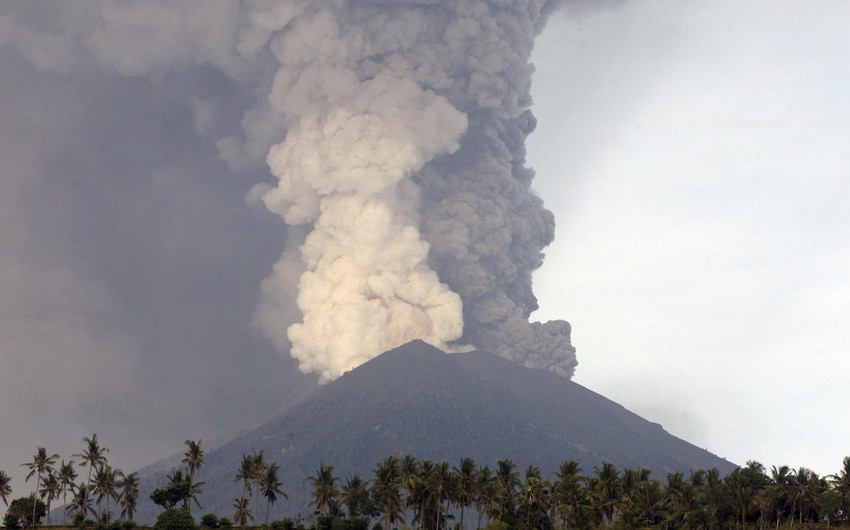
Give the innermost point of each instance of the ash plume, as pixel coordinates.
(405, 157)
(395, 132)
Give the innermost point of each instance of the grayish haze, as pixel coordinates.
(694, 157)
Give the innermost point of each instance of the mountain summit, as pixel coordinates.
(420, 401)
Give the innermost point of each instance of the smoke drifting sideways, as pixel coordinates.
(405, 159)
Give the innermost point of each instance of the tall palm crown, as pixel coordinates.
(245, 474)
(5, 487)
(270, 485)
(325, 491)
(193, 457)
(66, 475)
(93, 455)
(128, 494)
(41, 464)
(105, 485)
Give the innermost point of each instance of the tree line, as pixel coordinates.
(405, 492)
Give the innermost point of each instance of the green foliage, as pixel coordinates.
(175, 519)
(22, 508)
(210, 520)
(169, 496)
(334, 522)
(284, 524)
(11, 521)
(129, 525)
(225, 522)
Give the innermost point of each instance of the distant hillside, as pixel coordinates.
(418, 400)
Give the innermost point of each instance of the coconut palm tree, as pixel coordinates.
(465, 475)
(41, 464)
(66, 475)
(486, 495)
(609, 489)
(193, 458)
(93, 455)
(408, 468)
(242, 511)
(258, 470)
(50, 489)
(81, 501)
(841, 483)
(442, 487)
(270, 485)
(5, 487)
(104, 485)
(508, 478)
(355, 496)
(128, 495)
(385, 485)
(245, 474)
(325, 491)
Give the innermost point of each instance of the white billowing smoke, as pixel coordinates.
(404, 156)
(346, 169)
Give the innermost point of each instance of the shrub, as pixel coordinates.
(11, 521)
(210, 520)
(129, 525)
(285, 524)
(225, 522)
(175, 519)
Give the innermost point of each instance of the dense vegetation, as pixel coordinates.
(427, 495)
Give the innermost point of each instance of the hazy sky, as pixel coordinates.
(695, 159)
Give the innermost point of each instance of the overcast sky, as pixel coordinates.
(695, 159)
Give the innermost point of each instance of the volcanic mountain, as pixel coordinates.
(417, 400)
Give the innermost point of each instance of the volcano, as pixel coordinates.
(420, 401)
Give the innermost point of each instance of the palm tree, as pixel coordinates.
(325, 491)
(104, 485)
(93, 455)
(66, 475)
(508, 479)
(245, 474)
(486, 495)
(243, 511)
(609, 489)
(81, 501)
(841, 483)
(270, 486)
(355, 496)
(5, 487)
(258, 470)
(385, 486)
(41, 464)
(531, 495)
(566, 490)
(408, 468)
(465, 474)
(129, 494)
(193, 457)
(50, 488)
(443, 488)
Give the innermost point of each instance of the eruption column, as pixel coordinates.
(405, 158)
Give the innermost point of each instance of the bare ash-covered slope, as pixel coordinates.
(418, 400)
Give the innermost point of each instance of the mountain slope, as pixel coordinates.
(418, 400)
